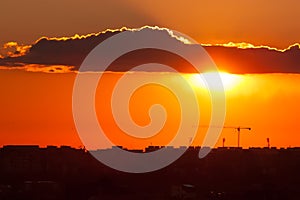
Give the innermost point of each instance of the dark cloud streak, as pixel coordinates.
(256, 60)
(71, 52)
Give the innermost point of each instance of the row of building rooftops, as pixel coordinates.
(147, 149)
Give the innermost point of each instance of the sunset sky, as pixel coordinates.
(254, 44)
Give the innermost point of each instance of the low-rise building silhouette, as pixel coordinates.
(225, 173)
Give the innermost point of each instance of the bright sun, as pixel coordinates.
(230, 81)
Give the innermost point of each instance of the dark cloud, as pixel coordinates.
(256, 60)
(72, 51)
(59, 52)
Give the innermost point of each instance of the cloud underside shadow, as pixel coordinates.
(59, 56)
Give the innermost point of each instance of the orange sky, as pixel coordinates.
(259, 22)
(36, 109)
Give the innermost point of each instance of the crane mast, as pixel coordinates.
(238, 128)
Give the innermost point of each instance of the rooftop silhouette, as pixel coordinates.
(226, 173)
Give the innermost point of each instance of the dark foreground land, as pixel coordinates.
(30, 172)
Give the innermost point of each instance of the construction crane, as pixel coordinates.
(238, 128)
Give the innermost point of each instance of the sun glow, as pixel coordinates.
(229, 81)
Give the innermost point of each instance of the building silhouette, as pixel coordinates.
(31, 172)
